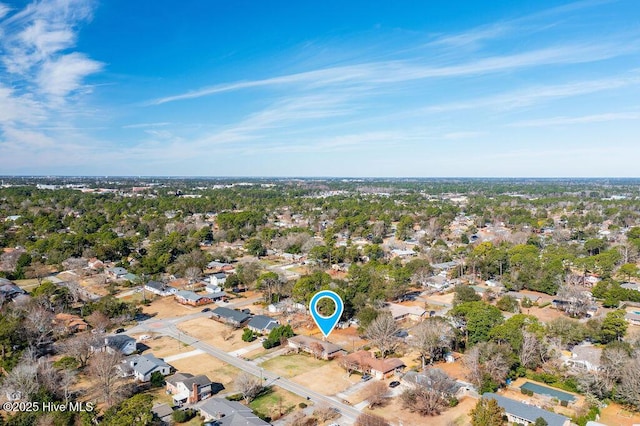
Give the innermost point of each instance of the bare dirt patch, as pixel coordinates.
(167, 307)
(457, 415)
(216, 334)
(327, 380)
(213, 368)
(615, 414)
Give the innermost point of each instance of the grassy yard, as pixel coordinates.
(275, 403)
(292, 365)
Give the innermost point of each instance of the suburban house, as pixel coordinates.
(163, 412)
(230, 316)
(633, 318)
(400, 312)
(219, 278)
(525, 414)
(120, 342)
(189, 389)
(438, 282)
(630, 286)
(585, 357)
(117, 272)
(229, 413)
(9, 291)
(521, 296)
(143, 366)
(307, 343)
(186, 297)
(161, 289)
(95, 264)
(215, 292)
(219, 266)
(262, 324)
(71, 323)
(366, 362)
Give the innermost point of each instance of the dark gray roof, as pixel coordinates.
(189, 295)
(230, 413)
(528, 412)
(162, 410)
(9, 290)
(119, 341)
(263, 322)
(178, 377)
(157, 285)
(431, 375)
(220, 275)
(231, 314)
(200, 380)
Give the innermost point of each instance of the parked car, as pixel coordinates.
(394, 384)
(365, 377)
(120, 330)
(206, 310)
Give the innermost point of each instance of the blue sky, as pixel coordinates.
(359, 88)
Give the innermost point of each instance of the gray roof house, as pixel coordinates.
(163, 412)
(143, 366)
(8, 290)
(262, 324)
(585, 357)
(520, 413)
(161, 289)
(230, 316)
(120, 342)
(221, 412)
(117, 272)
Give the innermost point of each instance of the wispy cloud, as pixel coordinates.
(594, 118)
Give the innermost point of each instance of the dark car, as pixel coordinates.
(365, 377)
(120, 330)
(206, 310)
(394, 384)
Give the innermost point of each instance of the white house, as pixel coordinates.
(585, 357)
(218, 278)
(143, 366)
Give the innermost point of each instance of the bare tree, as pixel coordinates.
(577, 300)
(382, 333)
(325, 413)
(316, 349)
(99, 321)
(423, 400)
(103, 369)
(80, 346)
(365, 419)
(249, 386)
(532, 351)
(39, 326)
(192, 273)
(629, 388)
(432, 338)
(348, 364)
(487, 360)
(375, 393)
(300, 419)
(21, 382)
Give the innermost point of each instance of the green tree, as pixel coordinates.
(507, 304)
(614, 326)
(135, 411)
(248, 335)
(629, 270)
(254, 246)
(464, 293)
(541, 422)
(487, 412)
(479, 318)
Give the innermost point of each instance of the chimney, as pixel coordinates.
(195, 394)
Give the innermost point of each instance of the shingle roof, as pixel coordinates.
(145, 364)
(528, 412)
(306, 341)
(262, 322)
(119, 341)
(231, 413)
(232, 314)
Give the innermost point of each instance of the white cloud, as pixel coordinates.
(594, 118)
(63, 75)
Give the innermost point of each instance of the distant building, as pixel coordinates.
(585, 358)
(222, 412)
(120, 342)
(400, 312)
(143, 366)
(71, 323)
(633, 318)
(230, 316)
(117, 272)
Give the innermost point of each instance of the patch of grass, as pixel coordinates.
(274, 403)
(292, 365)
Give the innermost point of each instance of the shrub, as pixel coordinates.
(157, 379)
(235, 397)
(564, 403)
(302, 405)
(248, 335)
(181, 416)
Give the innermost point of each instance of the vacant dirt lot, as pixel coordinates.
(213, 368)
(217, 334)
(457, 415)
(167, 307)
(293, 365)
(614, 414)
(163, 346)
(328, 379)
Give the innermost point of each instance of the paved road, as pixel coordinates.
(168, 327)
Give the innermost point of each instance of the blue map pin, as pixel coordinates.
(326, 324)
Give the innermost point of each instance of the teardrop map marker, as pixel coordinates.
(326, 324)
